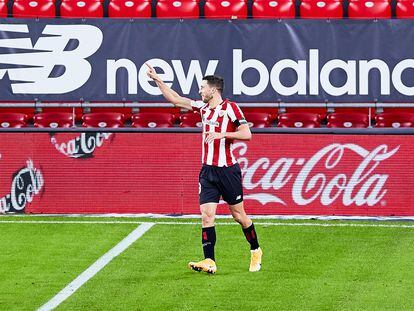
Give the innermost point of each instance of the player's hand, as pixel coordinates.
(212, 136)
(152, 73)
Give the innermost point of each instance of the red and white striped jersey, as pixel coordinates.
(226, 117)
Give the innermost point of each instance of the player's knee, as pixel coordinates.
(208, 220)
(238, 217)
(243, 220)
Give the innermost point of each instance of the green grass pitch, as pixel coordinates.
(304, 267)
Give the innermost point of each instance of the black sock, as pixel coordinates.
(251, 237)
(209, 240)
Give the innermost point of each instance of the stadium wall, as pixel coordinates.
(307, 174)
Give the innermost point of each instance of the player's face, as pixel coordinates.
(206, 91)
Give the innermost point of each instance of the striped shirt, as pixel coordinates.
(226, 117)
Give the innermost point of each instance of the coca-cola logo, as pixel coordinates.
(81, 146)
(26, 183)
(312, 180)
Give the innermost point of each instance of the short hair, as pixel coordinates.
(215, 81)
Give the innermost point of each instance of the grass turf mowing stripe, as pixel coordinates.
(302, 224)
(95, 267)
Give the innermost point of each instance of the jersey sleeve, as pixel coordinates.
(197, 105)
(236, 115)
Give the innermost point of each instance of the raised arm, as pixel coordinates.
(169, 94)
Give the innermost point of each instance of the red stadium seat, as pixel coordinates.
(272, 111)
(177, 9)
(10, 119)
(348, 120)
(258, 119)
(3, 8)
(225, 9)
(369, 9)
(103, 119)
(190, 119)
(152, 120)
(315, 9)
(399, 110)
(320, 111)
(53, 119)
(354, 109)
(174, 111)
(299, 120)
(394, 119)
(34, 8)
(81, 9)
(127, 112)
(27, 111)
(78, 111)
(129, 8)
(273, 9)
(405, 9)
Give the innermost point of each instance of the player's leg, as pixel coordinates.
(209, 198)
(231, 189)
(208, 230)
(239, 215)
(208, 239)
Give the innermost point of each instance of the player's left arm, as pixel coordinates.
(242, 133)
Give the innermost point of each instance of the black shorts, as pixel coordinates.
(217, 181)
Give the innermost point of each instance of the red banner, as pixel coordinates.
(296, 174)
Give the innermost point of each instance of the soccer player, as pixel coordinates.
(223, 122)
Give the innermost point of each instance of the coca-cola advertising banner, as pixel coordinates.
(290, 174)
(261, 60)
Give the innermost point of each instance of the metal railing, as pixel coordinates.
(279, 105)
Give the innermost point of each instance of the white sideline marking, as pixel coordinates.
(197, 216)
(301, 224)
(95, 267)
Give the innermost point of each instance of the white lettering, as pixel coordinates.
(350, 70)
(313, 72)
(194, 73)
(299, 67)
(314, 181)
(396, 77)
(365, 67)
(166, 74)
(112, 69)
(239, 66)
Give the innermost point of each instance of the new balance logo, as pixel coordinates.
(238, 197)
(33, 67)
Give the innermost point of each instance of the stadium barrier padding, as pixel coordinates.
(288, 174)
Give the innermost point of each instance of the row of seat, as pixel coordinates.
(165, 119)
(225, 9)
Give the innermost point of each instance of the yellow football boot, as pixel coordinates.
(256, 260)
(207, 265)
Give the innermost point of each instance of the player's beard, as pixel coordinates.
(207, 98)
